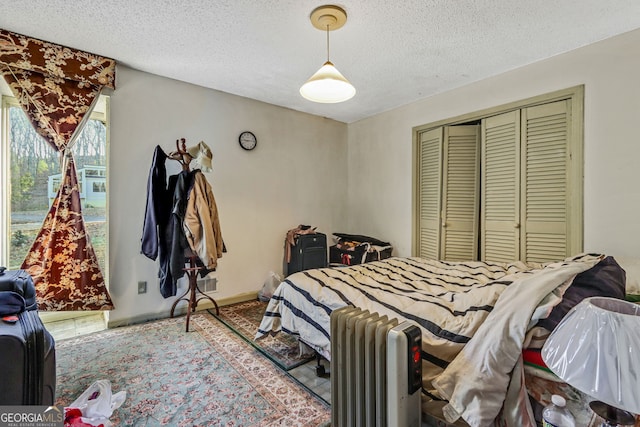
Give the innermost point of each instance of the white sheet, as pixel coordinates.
(476, 382)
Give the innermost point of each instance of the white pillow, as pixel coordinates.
(631, 266)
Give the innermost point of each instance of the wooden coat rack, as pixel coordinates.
(184, 158)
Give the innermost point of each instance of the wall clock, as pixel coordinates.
(248, 140)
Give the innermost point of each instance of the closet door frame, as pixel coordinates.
(575, 97)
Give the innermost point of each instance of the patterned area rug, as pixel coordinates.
(206, 377)
(245, 317)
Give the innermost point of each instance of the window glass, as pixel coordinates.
(35, 178)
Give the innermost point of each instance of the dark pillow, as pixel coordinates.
(605, 279)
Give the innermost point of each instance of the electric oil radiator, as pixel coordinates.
(376, 370)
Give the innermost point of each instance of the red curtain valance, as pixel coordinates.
(29, 54)
(55, 85)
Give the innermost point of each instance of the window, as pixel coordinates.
(31, 178)
(99, 187)
(503, 184)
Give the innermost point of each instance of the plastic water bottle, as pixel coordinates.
(556, 415)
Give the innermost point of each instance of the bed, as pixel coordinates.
(476, 318)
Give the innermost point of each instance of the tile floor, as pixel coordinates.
(305, 374)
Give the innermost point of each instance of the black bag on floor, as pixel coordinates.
(310, 251)
(353, 249)
(27, 350)
(20, 282)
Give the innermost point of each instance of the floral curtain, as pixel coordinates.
(57, 88)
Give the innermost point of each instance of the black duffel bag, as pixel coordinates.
(16, 284)
(27, 349)
(353, 249)
(360, 239)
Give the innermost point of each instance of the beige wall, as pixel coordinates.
(380, 147)
(296, 175)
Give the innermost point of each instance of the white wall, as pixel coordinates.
(380, 147)
(296, 175)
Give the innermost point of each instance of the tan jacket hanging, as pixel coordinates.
(201, 223)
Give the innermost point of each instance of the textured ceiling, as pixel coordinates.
(393, 51)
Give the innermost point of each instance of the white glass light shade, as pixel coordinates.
(327, 85)
(596, 349)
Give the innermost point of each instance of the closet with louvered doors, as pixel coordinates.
(507, 189)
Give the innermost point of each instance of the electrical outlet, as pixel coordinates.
(142, 287)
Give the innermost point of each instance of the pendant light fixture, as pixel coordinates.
(328, 85)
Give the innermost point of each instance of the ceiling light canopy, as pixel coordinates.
(328, 85)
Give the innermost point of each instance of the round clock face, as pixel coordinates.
(248, 140)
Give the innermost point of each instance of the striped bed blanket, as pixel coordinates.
(450, 301)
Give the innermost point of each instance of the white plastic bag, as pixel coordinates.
(97, 403)
(269, 286)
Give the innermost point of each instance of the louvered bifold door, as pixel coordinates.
(545, 135)
(500, 188)
(460, 207)
(429, 191)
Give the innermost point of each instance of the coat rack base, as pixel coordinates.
(193, 299)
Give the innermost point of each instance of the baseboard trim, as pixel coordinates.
(56, 316)
(247, 296)
(181, 310)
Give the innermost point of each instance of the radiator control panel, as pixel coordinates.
(414, 364)
(404, 375)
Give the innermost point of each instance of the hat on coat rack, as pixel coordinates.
(201, 154)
